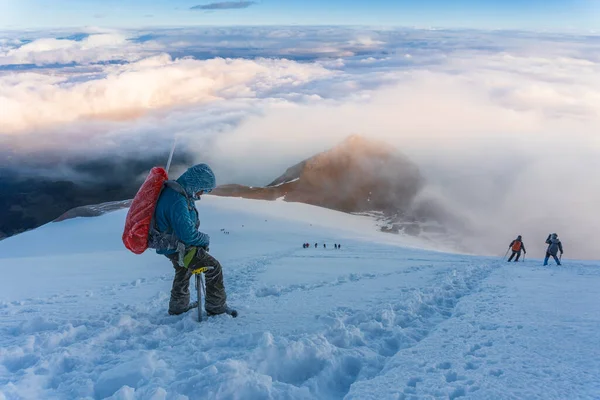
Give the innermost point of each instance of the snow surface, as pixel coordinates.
(283, 183)
(382, 318)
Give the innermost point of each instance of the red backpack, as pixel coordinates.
(140, 217)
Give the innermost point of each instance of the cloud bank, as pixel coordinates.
(504, 126)
(224, 5)
(73, 51)
(38, 100)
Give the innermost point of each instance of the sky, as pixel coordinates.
(489, 14)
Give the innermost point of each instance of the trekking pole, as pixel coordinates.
(506, 254)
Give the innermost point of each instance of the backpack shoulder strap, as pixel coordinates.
(179, 189)
(176, 187)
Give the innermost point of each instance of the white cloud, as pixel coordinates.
(366, 42)
(94, 48)
(35, 101)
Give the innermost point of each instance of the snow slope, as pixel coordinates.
(382, 318)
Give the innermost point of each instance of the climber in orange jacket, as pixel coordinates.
(516, 246)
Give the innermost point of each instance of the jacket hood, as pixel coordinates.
(197, 178)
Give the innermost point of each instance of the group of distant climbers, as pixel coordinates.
(554, 246)
(307, 245)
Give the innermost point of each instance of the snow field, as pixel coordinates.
(379, 319)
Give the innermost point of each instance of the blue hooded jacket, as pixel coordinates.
(177, 214)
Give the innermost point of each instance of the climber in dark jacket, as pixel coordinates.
(516, 246)
(554, 246)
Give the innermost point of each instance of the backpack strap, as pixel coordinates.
(176, 187)
(179, 189)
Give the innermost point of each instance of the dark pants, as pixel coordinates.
(548, 257)
(515, 253)
(215, 298)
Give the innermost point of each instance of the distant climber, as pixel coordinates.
(516, 246)
(324, 246)
(177, 222)
(316, 245)
(554, 246)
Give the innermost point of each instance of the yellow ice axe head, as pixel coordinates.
(201, 270)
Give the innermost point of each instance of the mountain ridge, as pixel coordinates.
(357, 175)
